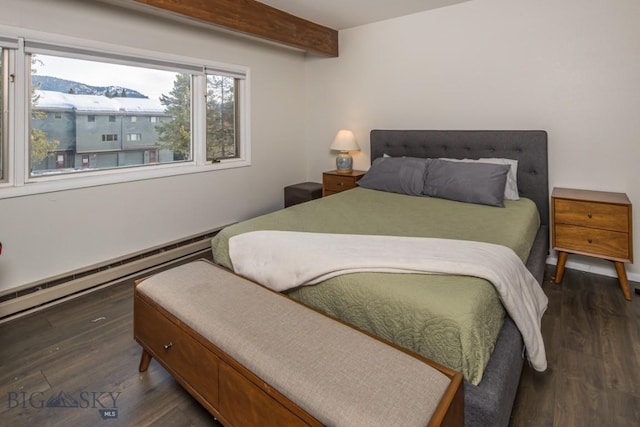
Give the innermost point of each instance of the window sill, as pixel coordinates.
(51, 184)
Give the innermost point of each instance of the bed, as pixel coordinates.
(388, 304)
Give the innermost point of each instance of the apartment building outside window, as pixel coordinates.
(85, 107)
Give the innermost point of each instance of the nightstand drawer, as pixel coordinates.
(592, 241)
(595, 215)
(338, 183)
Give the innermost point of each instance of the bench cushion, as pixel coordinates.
(337, 374)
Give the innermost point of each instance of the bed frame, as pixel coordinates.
(490, 402)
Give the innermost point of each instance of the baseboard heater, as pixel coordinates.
(56, 289)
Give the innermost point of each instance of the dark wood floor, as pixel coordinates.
(592, 339)
(83, 351)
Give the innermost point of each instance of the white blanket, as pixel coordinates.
(282, 260)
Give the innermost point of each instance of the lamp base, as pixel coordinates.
(344, 162)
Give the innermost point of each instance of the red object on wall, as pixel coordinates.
(0, 248)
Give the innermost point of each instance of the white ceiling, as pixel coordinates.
(341, 14)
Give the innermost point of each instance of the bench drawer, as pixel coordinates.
(244, 404)
(189, 362)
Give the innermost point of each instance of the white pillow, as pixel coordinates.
(511, 187)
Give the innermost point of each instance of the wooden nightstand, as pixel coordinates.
(593, 223)
(334, 182)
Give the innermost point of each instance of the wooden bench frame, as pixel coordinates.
(231, 392)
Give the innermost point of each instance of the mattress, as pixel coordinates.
(453, 320)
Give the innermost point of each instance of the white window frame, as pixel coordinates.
(17, 180)
(10, 132)
(4, 83)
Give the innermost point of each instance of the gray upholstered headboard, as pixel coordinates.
(529, 148)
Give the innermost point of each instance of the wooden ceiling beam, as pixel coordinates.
(256, 19)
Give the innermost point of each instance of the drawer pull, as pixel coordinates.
(590, 240)
(168, 346)
(589, 215)
(341, 183)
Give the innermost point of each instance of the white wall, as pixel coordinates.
(51, 234)
(569, 67)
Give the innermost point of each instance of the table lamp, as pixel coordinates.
(344, 142)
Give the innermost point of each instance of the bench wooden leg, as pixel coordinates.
(145, 359)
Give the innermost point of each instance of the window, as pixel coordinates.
(148, 94)
(84, 100)
(221, 116)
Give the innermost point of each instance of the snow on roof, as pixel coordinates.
(96, 103)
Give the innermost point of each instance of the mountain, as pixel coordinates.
(62, 400)
(67, 86)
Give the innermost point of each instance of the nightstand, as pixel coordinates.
(334, 182)
(593, 223)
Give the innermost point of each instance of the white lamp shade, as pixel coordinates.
(345, 141)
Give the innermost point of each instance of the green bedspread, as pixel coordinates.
(453, 320)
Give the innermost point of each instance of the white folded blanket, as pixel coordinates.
(282, 260)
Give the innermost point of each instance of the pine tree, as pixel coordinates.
(40, 146)
(220, 116)
(175, 134)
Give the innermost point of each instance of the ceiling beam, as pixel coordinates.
(256, 19)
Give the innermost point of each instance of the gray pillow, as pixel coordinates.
(511, 188)
(481, 183)
(403, 175)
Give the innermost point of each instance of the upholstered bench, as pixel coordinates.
(252, 357)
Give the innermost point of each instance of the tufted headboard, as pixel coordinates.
(529, 148)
